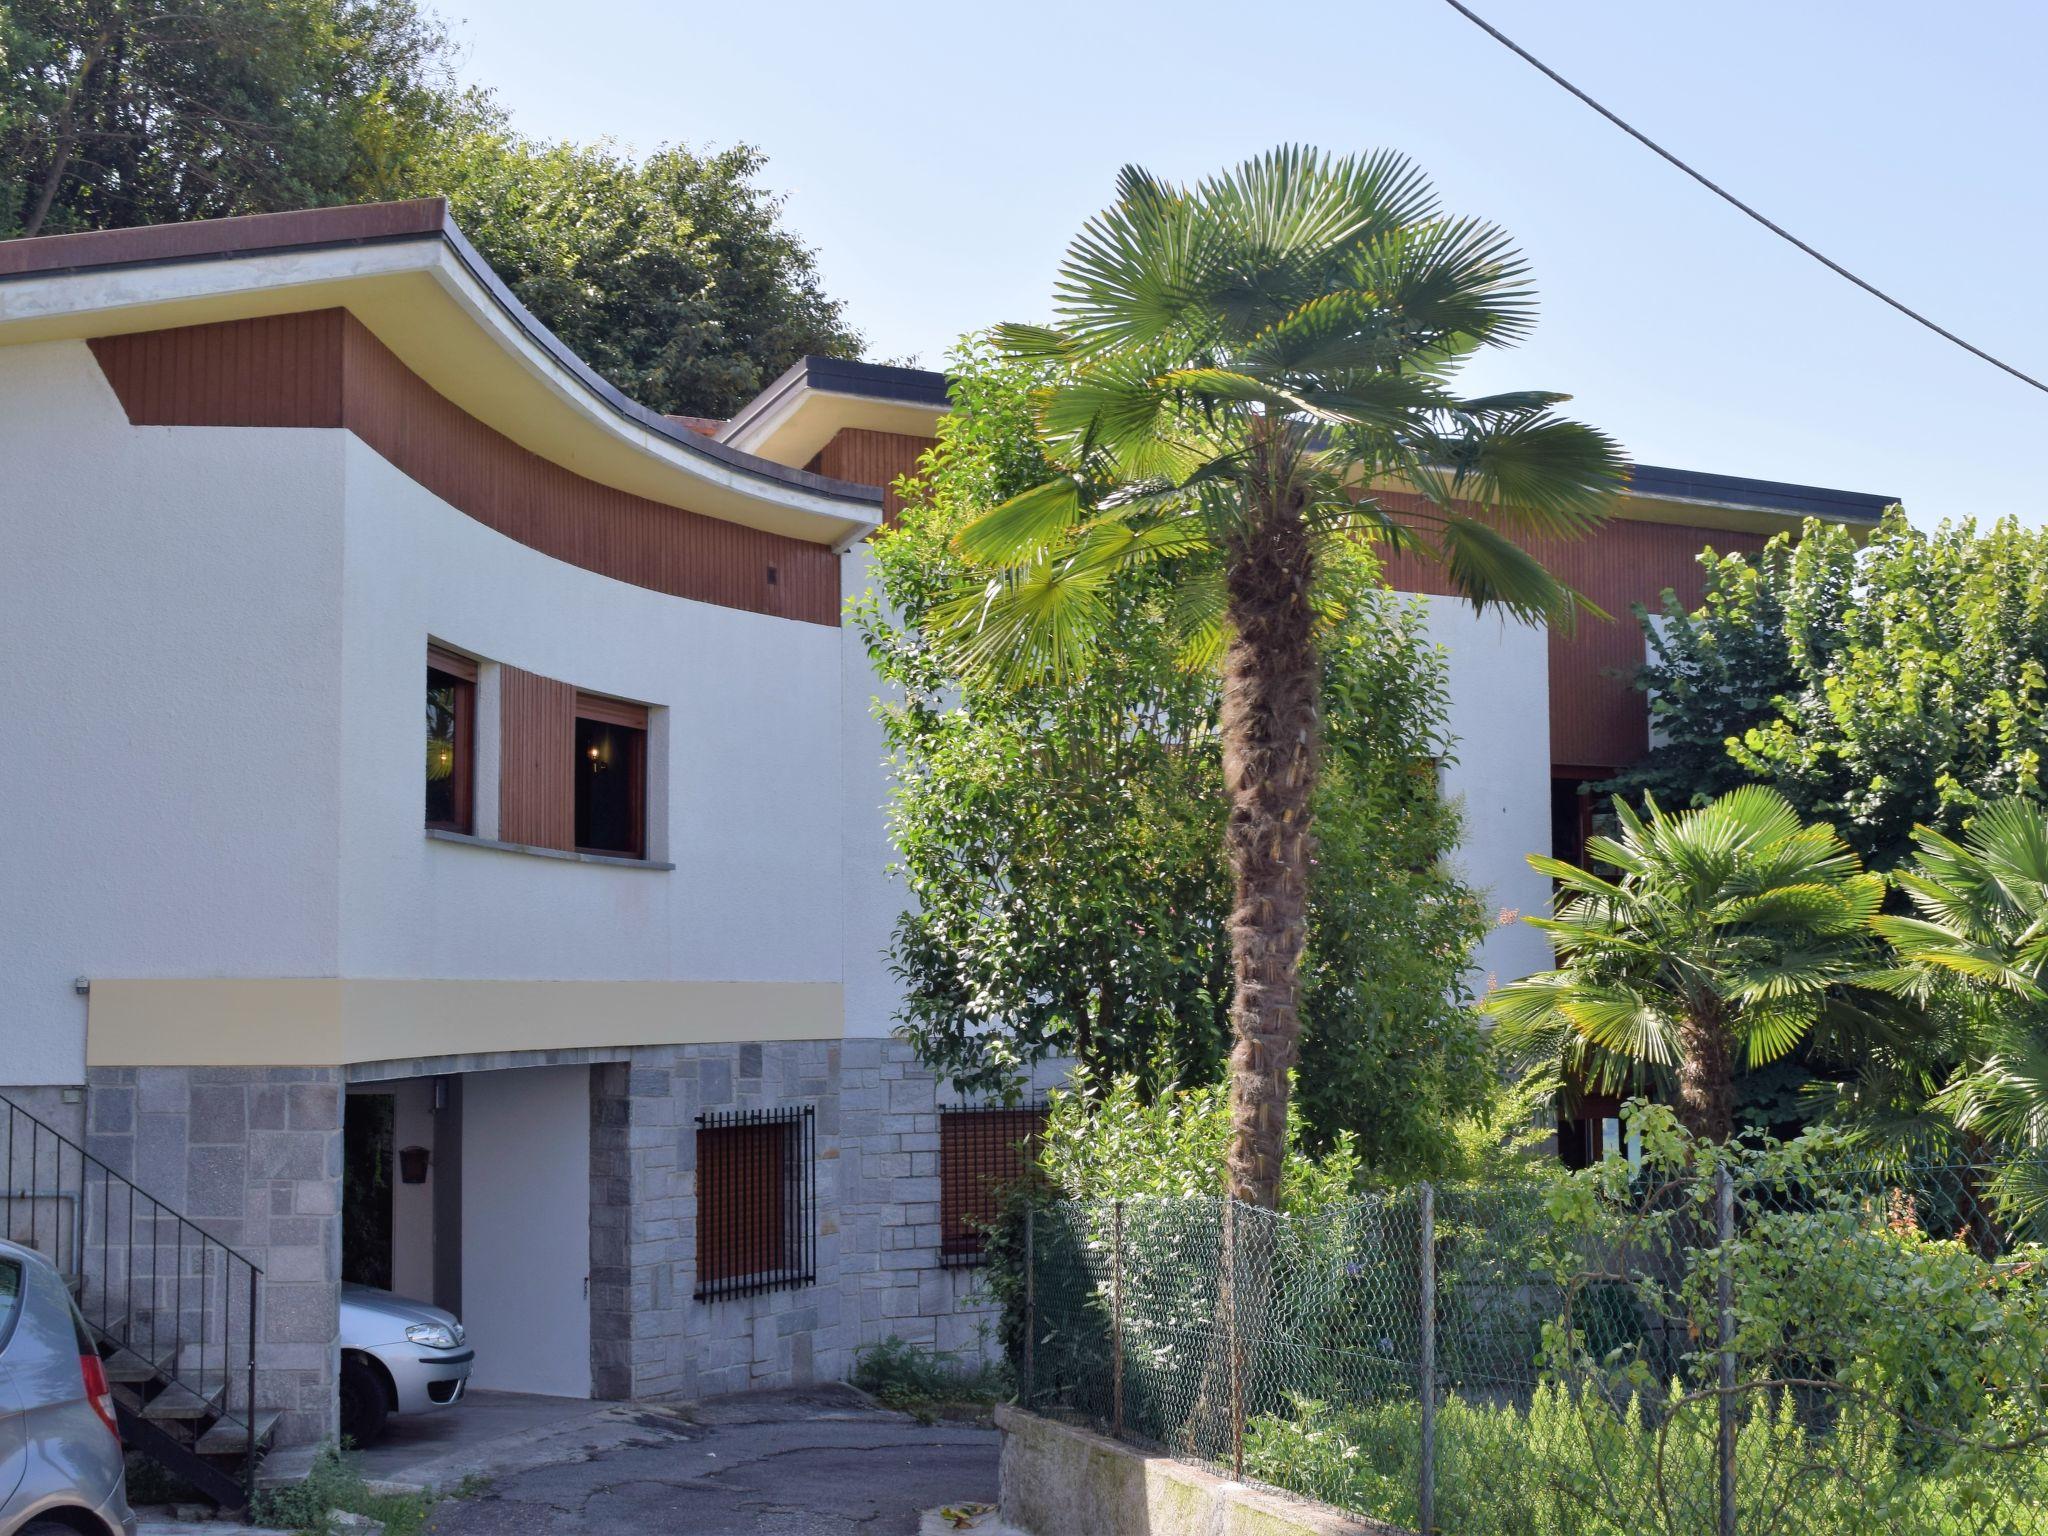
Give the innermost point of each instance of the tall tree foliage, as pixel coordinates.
(1061, 837)
(1238, 358)
(673, 275)
(121, 112)
(1884, 686)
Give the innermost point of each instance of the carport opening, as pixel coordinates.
(496, 1229)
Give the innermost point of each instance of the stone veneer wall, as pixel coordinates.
(878, 1221)
(252, 1156)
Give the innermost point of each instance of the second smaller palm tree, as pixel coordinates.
(1726, 937)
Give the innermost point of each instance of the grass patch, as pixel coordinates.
(928, 1384)
(332, 1484)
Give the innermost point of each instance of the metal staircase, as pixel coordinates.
(172, 1307)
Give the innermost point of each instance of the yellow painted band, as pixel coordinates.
(333, 1021)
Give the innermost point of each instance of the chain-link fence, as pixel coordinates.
(1754, 1347)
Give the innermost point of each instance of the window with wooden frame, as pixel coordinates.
(610, 770)
(451, 740)
(757, 1201)
(984, 1153)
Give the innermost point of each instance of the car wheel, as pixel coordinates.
(363, 1404)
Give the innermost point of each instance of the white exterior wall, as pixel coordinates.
(210, 764)
(170, 703)
(1499, 677)
(750, 708)
(873, 897)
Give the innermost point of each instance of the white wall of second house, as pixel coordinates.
(1499, 679)
(753, 707)
(170, 703)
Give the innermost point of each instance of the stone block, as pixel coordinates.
(313, 1106)
(219, 1115)
(217, 1180)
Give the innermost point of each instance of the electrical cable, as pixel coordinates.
(1730, 198)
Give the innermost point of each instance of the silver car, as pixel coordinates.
(60, 1451)
(397, 1356)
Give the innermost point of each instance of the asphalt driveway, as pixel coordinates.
(820, 1462)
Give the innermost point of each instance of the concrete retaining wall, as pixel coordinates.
(1057, 1480)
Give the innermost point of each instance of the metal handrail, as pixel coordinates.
(36, 1178)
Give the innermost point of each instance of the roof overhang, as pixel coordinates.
(797, 415)
(406, 272)
(808, 406)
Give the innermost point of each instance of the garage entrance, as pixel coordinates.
(472, 1191)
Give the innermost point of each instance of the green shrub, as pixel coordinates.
(919, 1382)
(331, 1484)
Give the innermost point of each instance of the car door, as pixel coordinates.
(13, 1418)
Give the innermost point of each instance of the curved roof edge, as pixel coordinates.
(370, 224)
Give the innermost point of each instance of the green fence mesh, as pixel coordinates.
(1759, 1349)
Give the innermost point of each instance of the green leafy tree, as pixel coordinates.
(673, 275)
(121, 112)
(1061, 837)
(1728, 935)
(1885, 685)
(1237, 358)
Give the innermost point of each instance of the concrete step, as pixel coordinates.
(179, 1402)
(230, 1437)
(130, 1366)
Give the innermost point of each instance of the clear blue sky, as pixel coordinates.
(940, 156)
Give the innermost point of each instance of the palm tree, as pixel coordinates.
(1238, 363)
(1729, 933)
(1977, 950)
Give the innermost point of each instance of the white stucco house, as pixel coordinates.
(273, 489)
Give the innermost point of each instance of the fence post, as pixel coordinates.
(1232, 1340)
(1426, 1276)
(1030, 1296)
(1116, 1314)
(1724, 1231)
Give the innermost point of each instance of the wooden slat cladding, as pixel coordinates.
(277, 371)
(872, 458)
(536, 793)
(325, 369)
(1597, 720)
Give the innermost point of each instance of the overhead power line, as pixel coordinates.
(1730, 198)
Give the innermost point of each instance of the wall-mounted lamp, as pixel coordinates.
(412, 1165)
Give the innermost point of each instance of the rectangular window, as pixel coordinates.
(451, 739)
(757, 1201)
(983, 1154)
(611, 776)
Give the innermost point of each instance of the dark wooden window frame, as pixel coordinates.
(984, 1150)
(601, 710)
(461, 673)
(757, 1201)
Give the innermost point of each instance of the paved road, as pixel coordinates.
(818, 1463)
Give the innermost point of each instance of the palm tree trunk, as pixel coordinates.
(1271, 733)
(1706, 1079)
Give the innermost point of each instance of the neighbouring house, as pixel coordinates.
(436, 785)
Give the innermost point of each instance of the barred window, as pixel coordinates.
(757, 1201)
(982, 1153)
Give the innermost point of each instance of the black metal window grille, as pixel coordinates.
(757, 1201)
(984, 1150)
